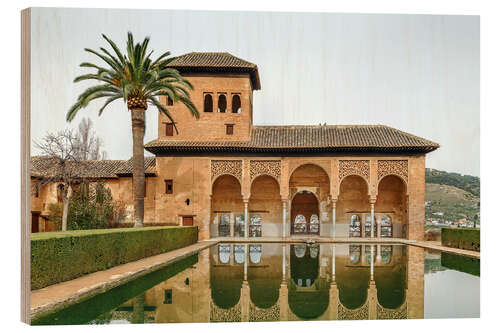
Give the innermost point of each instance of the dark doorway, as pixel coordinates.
(35, 217)
(305, 214)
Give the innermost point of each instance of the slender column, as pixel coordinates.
(372, 212)
(283, 269)
(245, 201)
(284, 218)
(333, 262)
(334, 218)
(245, 266)
(372, 259)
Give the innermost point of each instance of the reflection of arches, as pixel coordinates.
(225, 283)
(386, 254)
(224, 253)
(354, 254)
(264, 280)
(391, 282)
(352, 282)
(304, 206)
(392, 198)
(239, 253)
(308, 293)
(255, 253)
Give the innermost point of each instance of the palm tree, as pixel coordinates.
(139, 81)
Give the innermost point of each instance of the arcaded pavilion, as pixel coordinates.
(232, 178)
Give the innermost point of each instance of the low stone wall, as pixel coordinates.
(461, 238)
(62, 256)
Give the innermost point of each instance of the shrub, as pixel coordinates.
(461, 238)
(66, 255)
(461, 263)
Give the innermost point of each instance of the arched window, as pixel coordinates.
(224, 227)
(255, 253)
(239, 227)
(255, 227)
(224, 253)
(208, 103)
(386, 226)
(386, 254)
(239, 253)
(236, 104)
(355, 226)
(300, 224)
(314, 224)
(222, 104)
(354, 254)
(368, 227)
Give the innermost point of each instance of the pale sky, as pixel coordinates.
(417, 73)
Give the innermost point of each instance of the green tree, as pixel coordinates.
(138, 80)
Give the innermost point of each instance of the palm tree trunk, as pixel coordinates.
(138, 127)
(64, 224)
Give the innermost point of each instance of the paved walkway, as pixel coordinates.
(435, 245)
(69, 292)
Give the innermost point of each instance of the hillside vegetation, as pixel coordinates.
(451, 196)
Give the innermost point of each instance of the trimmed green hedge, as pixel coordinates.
(461, 238)
(461, 263)
(62, 256)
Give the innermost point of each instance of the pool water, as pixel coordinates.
(286, 282)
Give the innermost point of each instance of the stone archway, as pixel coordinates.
(226, 205)
(304, 214)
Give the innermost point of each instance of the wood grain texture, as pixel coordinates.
(25, 160)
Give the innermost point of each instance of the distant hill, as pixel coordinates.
(450, 196)
(467, 183)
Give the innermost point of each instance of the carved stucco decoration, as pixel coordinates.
(270, 314)
(360, 313)
(400, 313)
(226, 167)
(219, 315)
(265, 167)
(392, 167)
(354, 167)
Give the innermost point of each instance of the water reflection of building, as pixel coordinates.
(271, 282)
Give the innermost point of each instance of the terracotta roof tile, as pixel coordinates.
(45, 166)
(149, 166)
(216, 62)
(362, 138)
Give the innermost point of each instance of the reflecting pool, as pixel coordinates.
(286, 282)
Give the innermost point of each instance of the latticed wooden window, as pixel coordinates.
(229, 129)
(169, 186)
(169, 129)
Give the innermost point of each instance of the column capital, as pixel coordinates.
(246, 200)
(373, 200)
